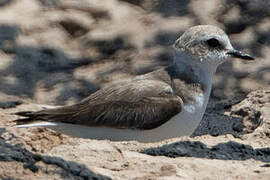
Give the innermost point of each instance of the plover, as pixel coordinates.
(166, 103)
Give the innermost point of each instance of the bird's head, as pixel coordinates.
(209, 45)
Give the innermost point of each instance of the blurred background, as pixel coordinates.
(57, 52)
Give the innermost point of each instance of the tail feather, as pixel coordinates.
(24, 113)
(48, 115)
(23, 121)
(28, 117)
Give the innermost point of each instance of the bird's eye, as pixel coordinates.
(213, 43)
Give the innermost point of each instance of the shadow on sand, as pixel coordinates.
(66, 169)
(224, 151)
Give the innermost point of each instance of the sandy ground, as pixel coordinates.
(57, 52)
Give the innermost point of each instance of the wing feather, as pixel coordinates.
(137, 104)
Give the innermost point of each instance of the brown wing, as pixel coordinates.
(138, 104)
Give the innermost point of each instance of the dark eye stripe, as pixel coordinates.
(213, 43)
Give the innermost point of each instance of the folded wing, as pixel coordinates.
(137, 104)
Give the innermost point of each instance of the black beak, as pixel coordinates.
(239, 54)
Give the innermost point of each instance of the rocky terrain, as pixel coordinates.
(57, 52)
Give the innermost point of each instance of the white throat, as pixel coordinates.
(201, 70)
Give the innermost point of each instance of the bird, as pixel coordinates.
(166, 103)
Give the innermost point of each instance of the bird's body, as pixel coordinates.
(165, 103)
(161, 85)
